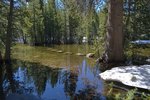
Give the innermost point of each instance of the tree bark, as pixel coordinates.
(9, 32)
(114, 35)
(1, 60)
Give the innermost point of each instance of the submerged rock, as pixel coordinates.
(53, 50)
(68, 53)
(60, 51)
(80, 54)
(136, 76)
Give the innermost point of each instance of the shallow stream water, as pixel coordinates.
(42, 73)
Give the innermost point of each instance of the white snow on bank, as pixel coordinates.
(136, 76)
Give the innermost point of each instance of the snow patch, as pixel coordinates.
(136, 76)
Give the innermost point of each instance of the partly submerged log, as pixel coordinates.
(135, 76)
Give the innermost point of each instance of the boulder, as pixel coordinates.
(148, 60)
(90, 55)
(135, 76)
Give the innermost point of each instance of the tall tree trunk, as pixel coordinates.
(65, 27)
(9, 32)
(1, 60)
(114, 36)
(34, 26)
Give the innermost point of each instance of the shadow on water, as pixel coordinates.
(32, 81)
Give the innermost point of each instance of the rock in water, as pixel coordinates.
(136, 76)
(148, 60)
(90, 55)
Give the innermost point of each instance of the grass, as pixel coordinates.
(114, 94)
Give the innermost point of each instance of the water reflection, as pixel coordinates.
(1, 84)
(52, 83)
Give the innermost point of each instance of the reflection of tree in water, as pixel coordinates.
(10, 77)
(88, 93)
(1, 84)
(39, 75)
(7, 82)
(30, 73)
(54, 76)
(70, 83)
(32, 78)
(88, 90)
